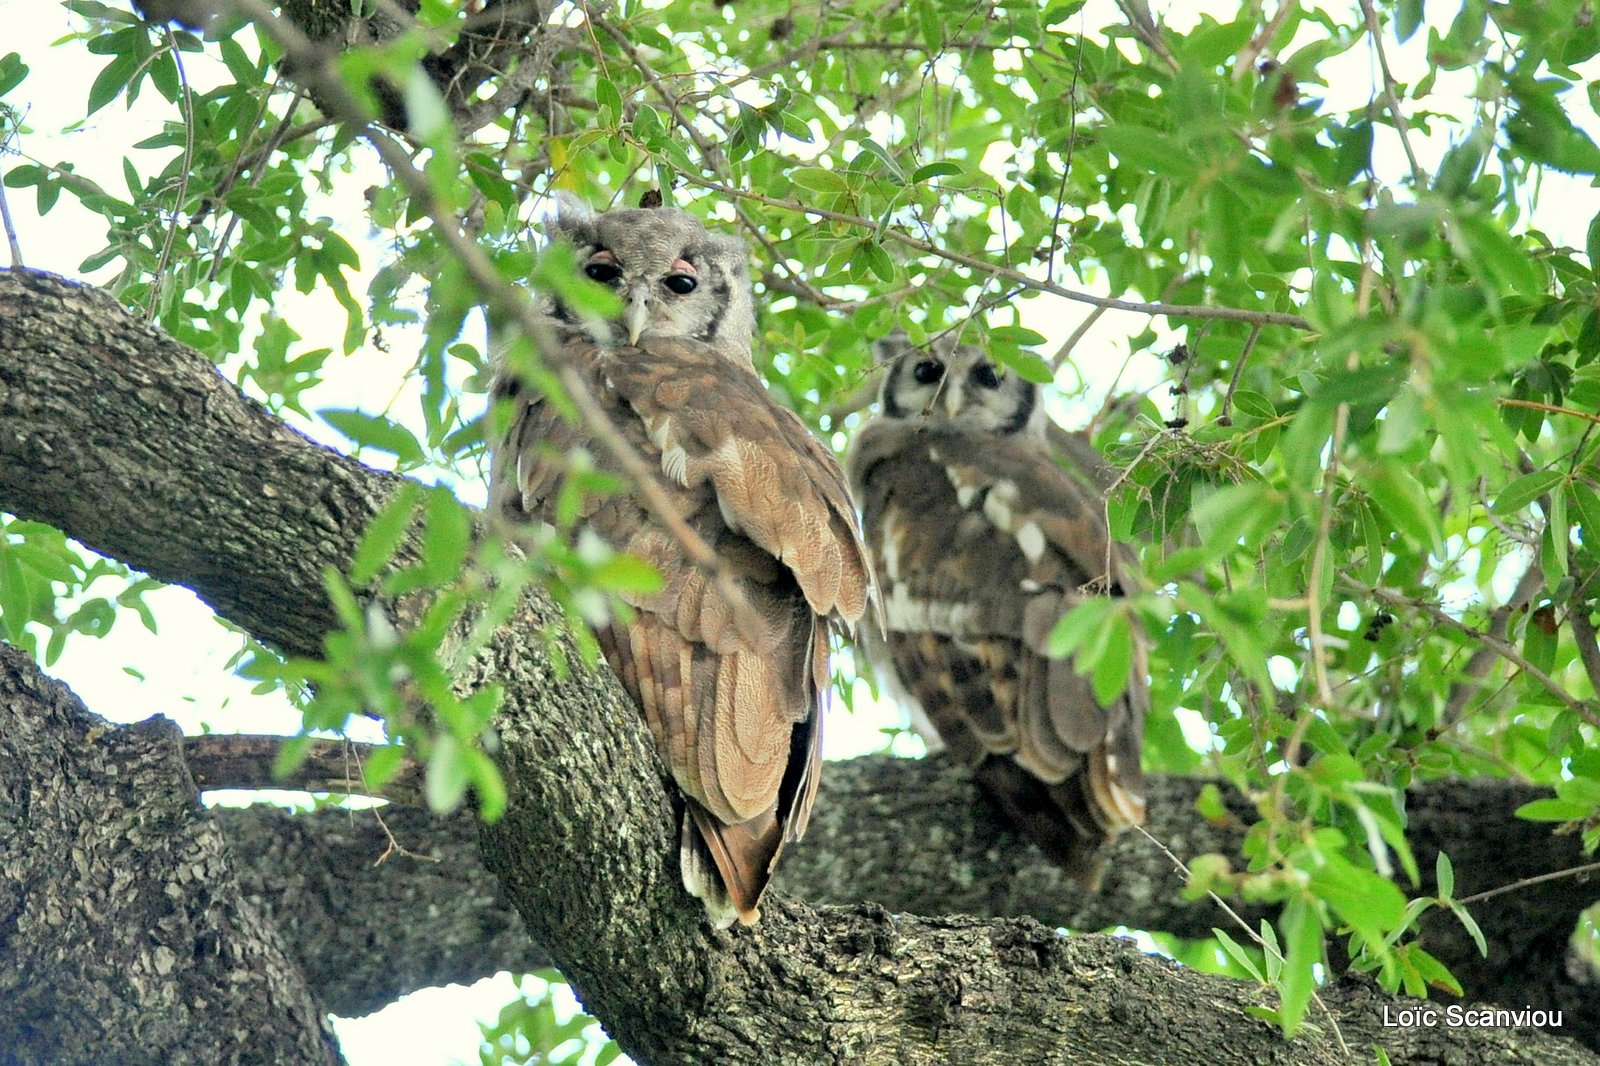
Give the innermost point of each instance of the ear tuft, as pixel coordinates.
(892, 347)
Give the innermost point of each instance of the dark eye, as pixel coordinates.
(682, 284)
(603, 272)
(927, 372)
(984, 375)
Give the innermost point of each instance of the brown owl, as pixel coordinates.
(982, 539)
(734, 697)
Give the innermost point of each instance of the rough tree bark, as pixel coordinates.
(124, 936)
(134, 445)
(318, 872)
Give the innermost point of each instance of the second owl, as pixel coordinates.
(981, 542)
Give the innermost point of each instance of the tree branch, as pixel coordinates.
(968, 862)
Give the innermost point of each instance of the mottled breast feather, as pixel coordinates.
(980, 545)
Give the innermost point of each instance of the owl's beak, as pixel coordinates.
(637, 313)
(952, 397)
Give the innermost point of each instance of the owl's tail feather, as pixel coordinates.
(1070, 822)
(728, 866)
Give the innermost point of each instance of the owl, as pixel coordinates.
(728, 664)
(982, 539)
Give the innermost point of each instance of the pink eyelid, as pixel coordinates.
(602, 257)
(683, 266)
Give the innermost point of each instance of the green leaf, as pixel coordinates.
(1147, 150)
(1555, 543)
(382, 763)
(647, 125)
(1444, 876)
(1110, 677)
(816, 179)
(446, 538)
(12, 71)
(449, 773)
(626, 573)
(1363, 900)
(1302, 937)
(609, 101)
(1554, 810)
(878, 260)
(1524, 490)
(939, 169)
(1237, 953)
(1408, 16)
(1029, 365)
(110, 82)
(384, 535)
(1079, 625)
(1406, 504)
(1471, 926)
(375, 431)
(1234, 514)
(1303, 442)
(880, 153)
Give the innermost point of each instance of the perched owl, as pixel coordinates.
(734, 700)
(982, 540)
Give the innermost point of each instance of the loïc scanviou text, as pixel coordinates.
(1456, 1016)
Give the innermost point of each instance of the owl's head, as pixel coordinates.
(955, 388)
(675, 277)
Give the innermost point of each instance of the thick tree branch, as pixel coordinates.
(966, 862)
(103, 421)
(123, 934)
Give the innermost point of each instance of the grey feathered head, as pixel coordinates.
(955, 388)
(675, 277)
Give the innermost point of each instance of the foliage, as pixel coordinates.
(1366, 497)
(536, 1031)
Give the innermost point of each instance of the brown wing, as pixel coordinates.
(981, 547)
(736, 711)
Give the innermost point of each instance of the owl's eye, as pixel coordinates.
(984, 374)
(927, 372)
(605, 271)
(682, 284)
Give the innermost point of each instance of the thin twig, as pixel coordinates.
(1059, 359)
(1061, 189)
(1258, 43)
(186, 166)
(1469, 681)
(1249, 932)
(1418, 178)
(1535, 405)
(1147, 29)
(11, 229)
(1319, 565)
(1226, 314)
(1554, 875)
(1503, 648)
(394, 846)
(1225, 418)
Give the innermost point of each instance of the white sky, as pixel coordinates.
(183, 668)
